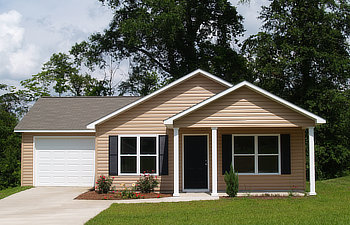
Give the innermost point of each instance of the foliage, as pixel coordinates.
(231, 180)
(328, 207)
(103, 184)
(146, 183)
(141, 83)
(63, 76)
(170, 38)
(303, 55)
(129, 192)
(12, 190)
(10, 146)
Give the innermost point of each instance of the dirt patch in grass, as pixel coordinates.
(93, 195)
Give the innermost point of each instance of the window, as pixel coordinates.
(138, 154)
(256, 154)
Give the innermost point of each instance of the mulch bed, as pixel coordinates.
(93, 195)
(262, 197)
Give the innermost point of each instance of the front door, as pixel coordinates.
(196, 162)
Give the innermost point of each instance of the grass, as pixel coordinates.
(10, 191)
(330, 206)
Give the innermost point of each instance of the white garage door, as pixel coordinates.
(64, 161)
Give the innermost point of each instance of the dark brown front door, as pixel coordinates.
(195, 162)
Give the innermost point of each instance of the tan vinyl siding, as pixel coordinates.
(296, 180)
(27, 154)
(247, 108)
(147, 118)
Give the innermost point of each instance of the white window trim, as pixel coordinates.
(256, 155)
(138, 154)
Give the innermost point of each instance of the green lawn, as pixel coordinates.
(10, 191)
(330, 206)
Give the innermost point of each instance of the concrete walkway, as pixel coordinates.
(49, 205)
(56, 205)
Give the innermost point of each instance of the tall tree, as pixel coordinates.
(171, 38)
(10, 143)
(302, 54)
(61, 75)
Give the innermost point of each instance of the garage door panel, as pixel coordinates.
(64, 162)
(65, 144)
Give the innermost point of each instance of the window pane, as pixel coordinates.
(128, 164)
(268, 144)
(244, 164)
(148, 145)
(148, 164)
(244, 145)
(128, 145)
(268, 164)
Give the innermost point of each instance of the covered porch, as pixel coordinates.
(199, 161)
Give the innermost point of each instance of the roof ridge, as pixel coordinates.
(91, 97)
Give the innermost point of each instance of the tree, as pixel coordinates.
(170, 38)
(302, 54)
(62, 75)
(10, 144)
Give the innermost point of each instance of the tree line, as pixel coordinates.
(301, 54)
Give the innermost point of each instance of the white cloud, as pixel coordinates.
(23, 62)
(31, 31)
(11, 34)
(17, 58)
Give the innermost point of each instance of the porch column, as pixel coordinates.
(312, 160)
(214, 164)
(176, 162)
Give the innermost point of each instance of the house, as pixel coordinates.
(188, 133)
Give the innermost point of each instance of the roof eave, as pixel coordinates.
(53, 131)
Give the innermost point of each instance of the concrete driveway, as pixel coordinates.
(49, 205)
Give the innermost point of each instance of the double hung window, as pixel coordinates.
(256, 154)
(138, 154)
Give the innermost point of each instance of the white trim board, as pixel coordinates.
(210, 76)
(317, 119)
(54, 131)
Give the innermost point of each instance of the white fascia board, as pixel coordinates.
(54, 131)
(217, 79)
(273, 97)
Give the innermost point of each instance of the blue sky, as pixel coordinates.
(31, 31)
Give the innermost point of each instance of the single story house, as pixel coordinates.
(187, 133)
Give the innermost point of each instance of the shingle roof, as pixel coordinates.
(70, 113)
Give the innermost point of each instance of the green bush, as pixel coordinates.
(103, 184)
(146, 183)
(231, 180)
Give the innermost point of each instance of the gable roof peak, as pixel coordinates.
(174, 83)
(317, 119)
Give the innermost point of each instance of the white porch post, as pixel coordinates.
(176, 162)
(214, 164)
(312, 160)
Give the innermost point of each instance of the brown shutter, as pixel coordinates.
(285, 154)
(113, 155)
(226, 152)
(163, 155)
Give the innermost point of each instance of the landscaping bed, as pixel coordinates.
(261, 197)
(93, 195)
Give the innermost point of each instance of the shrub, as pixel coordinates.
(146, 183)
(128, 193)
(103, 184)
(231, 180)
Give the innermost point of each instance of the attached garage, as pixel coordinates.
(64, 161)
